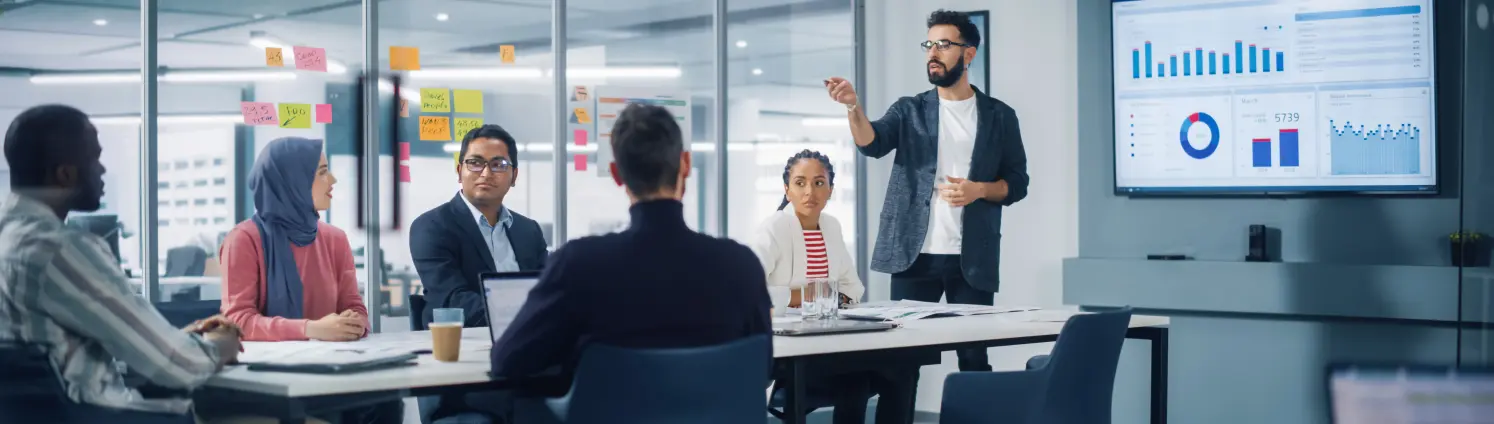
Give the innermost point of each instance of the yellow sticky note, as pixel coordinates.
(435, 100)
(506, 52)
(468, 101)
(273, 57)
(295, 115)
(404, 58)
(435, 128)
(581, 116)
(464, 125)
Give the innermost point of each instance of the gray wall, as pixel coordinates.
(1367, 279)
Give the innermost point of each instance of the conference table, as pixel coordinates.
(292, 397)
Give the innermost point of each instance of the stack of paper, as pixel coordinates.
(909, 310)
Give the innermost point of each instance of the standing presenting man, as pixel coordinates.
(960, 160)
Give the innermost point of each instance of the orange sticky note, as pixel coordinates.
(435, 128)
(404, 58)
(310, 58)
(581, 162)
(506, 52)
(273, 57)
(581, 116)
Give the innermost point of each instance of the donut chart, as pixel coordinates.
(1202, 118)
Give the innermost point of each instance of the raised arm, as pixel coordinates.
(873, 138)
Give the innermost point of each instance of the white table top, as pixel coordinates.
(473, 366)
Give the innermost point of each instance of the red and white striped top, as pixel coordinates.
(819, 260)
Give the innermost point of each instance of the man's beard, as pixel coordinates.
(951, 74)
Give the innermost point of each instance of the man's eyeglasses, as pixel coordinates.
(943, 45)
(499, 165)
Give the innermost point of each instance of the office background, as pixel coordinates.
(1360, 278)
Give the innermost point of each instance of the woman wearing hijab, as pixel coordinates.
(286, 274)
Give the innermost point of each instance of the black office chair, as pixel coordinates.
(33, 393)
(186, 261)
(417, 312)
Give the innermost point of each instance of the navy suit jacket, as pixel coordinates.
(911, 126)
(657, 284)
(450, 254)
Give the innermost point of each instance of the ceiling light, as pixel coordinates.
(757, 71)
(170, 119)
(478, 73)
(86, 78)
(442, 17)
(741, 44)
(100, 22)
(825, 122)
(335, 67)
(166, 76)
(623, 72)
(264, 42)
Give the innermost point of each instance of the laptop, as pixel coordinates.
(1410, 394)
(505, 293)
(829, 326)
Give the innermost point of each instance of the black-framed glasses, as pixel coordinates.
(943, 45)
(499, 165)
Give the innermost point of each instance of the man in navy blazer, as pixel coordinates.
(474, 233)
(657, 284)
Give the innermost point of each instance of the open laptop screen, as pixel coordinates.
(1411, 395)
(506, 293)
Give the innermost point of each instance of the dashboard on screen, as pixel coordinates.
(1273, 96)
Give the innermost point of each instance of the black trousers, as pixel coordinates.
(934, 276)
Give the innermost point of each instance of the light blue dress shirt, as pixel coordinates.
(496, 237)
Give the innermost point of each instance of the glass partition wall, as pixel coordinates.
(186, 94)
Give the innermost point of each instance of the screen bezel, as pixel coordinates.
(1446, 71)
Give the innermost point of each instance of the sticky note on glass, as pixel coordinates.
(259, 113)
(404, 108)
(435, 100)
(273, 57)
(323, 113)
(465, 125)
(435, 128)
(404, 151)
(581, 162)
(311, 58)
(506, 52)
(580, 137)
(295, 115)
(582, 117)
(404, 58)
(404, 173)
(468, 101)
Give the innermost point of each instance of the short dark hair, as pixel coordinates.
(961, 21)
(495, 132)
(42, 138)
(646, 143)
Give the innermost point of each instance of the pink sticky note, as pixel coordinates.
(404, 151)
(311, 58)
(404, 173)
(324, 113)
(259, 113)
(581, 162)
(580, 137)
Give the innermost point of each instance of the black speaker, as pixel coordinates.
(1257, 251)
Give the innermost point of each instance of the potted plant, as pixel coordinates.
(1467, 249)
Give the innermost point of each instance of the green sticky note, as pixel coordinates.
(464, 125)
(295, 115)
(435, 100)
(468, 101)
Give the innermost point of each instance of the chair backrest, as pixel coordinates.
(186, 261)
(1081, 370)
(720, 384)
(417, 312)
(181, 313)
(32, 387)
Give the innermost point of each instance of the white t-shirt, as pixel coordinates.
(957, 119)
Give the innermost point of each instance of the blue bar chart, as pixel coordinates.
(1251, 59)
(1290, 150)
(1379, 150)
(1260, 152)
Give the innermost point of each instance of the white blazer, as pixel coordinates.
(779, 245)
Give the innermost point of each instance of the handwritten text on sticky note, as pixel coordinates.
(465, 125)
(404, 108)
(404, 58)
(582, 117)
(259, 113)
(323, 113)
(435, 100)
(273, 57)
(506, 52)
(468, 101)
(295, 115)
(311, 58)
(435, 128)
